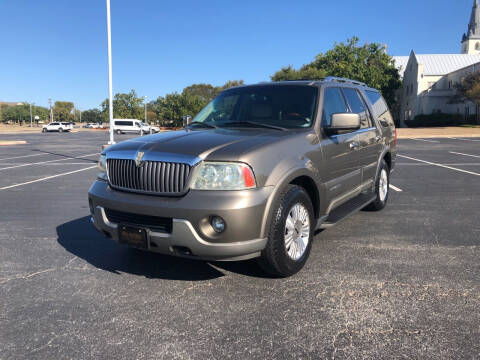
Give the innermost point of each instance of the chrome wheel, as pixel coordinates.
(297, 231)
(383, 185)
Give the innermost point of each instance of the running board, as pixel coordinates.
(347, 209)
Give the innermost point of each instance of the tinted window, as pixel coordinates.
(54, 124)
(357, 106)
(288, 106)
(123, 123)
(333, 103)
(378, 103)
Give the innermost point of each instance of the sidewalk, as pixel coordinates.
(415, 133)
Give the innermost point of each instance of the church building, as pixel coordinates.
(429, 80)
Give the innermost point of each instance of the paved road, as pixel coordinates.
(402, 283)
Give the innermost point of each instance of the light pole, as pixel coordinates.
(110, 91)
(31, 116)
(51, 111)
(145, 99)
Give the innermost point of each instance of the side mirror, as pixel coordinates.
(344, 122)
(187, 120)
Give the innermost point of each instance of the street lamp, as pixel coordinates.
(31, 116)
(110, 91)
(145, 99)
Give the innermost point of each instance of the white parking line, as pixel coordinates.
(457, 153)
(46, 162)
(448, 164)
(463, 139)
(395, 188)
(24, 156)
(46, 178)
(440, 165)
(432, 141)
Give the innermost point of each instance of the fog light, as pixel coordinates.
(218, 224)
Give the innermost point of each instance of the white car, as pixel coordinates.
(152, 128)
(125, 126)
(57, 126)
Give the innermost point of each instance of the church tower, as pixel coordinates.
(471, 40)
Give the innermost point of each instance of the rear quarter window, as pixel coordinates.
(380, 108)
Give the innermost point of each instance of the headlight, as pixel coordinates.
(223, 176)
(102, 166)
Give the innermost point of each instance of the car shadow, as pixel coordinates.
(81, 239)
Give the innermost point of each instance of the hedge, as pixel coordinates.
(441, 120)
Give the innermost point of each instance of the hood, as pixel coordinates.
(191, 145)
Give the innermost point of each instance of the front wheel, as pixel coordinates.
(382, 188)
(60, 130)
(118, 132)
(290, 235)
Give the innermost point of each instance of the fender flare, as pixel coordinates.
(291, 174)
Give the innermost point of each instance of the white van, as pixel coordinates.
(125, 126)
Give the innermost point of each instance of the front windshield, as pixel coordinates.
(286, 106)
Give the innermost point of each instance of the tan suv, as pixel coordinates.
(258, 170)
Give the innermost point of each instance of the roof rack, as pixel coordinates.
(344, 80)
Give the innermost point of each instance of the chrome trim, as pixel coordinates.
(154, 156)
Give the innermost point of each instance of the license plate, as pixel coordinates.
(133, 236)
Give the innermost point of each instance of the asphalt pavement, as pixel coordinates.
(400, 283)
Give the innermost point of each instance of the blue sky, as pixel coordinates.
(57, 48)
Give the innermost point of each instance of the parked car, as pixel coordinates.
(254, 175)
(152, 129)
(126, 126)
(57, 126)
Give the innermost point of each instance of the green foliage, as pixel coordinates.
(367, 63)
(125, 106)
(468, 89)
(92, 116)
(439, 119)
(171, 108)
(63, 111)
(21, 113)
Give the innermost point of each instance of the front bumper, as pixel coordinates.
(242, 210)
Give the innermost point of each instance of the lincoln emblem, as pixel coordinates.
(138, 159)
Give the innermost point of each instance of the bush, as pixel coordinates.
(440, 120)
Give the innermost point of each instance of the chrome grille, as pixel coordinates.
(153, 177)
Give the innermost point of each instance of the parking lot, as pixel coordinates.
(401, 283)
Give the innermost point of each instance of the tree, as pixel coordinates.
(125, 106)
(92, 115)
(368, 63)
(63, 111)
(468, 89)
(174, 106)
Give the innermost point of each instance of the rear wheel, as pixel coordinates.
(382, 188)
(60, 130)
(118, 132)
(44, 130)
(291, 234)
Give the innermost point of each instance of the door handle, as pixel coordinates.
(354, 145)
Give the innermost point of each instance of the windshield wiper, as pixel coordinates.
(202, 124)
(255, 124)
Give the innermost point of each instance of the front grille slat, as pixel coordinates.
(155, 223)
(152, 177)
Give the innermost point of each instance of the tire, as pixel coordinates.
(118, 132)
(278, 258)
(382, 188)
(44, 130)
(60, 130)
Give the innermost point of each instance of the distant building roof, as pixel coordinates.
(438, 64)
(401, 63)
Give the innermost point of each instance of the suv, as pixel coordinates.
(57, 126)
(256, 173)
